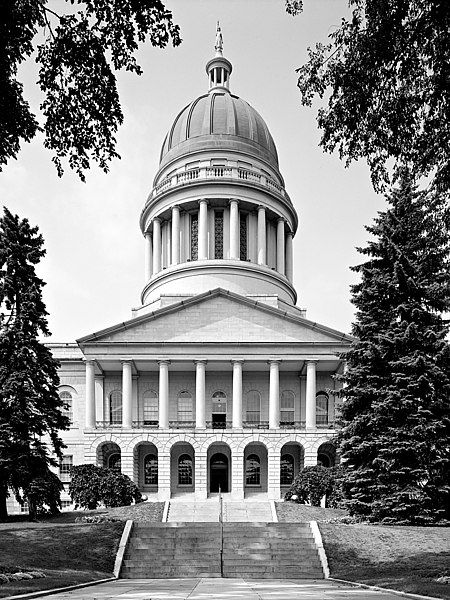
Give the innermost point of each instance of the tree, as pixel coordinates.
(311, 485)
(91, 485)
(386, 76)
(396, 413)
(81, 48)
(30, 407)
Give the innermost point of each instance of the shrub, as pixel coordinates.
(92, 485)
(310, 485)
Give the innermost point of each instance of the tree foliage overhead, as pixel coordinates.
(30, 407)
(385, 75)
(82, 47)
(396, 413)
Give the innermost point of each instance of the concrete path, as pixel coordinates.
(221, 589)
(248, 511)
(198, 511)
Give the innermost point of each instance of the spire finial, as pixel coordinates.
(219, 40)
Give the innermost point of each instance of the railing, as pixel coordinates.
(219, 172)
(145, 424)
(181, 424)
(217, 425)
(292, 424)
(107, 425)
(255, 424)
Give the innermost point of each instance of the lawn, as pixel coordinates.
(407, 559)
(290, 512)
(67, 552)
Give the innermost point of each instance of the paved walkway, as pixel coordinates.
(221, 589)
(208, 511)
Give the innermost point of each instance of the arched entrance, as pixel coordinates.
(218, 473)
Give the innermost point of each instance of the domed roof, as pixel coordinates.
(219, 120)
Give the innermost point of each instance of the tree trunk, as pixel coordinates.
(3, 496)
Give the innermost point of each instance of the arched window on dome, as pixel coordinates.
(185, 407)
(150, 406)
(185, 470)
(194, 237)
(253, 409)
(151, 469)
(321, 408)
(67, 409)
(115, 407)
(287, 469)
(243, 241)
(253, 470)
(218, 234)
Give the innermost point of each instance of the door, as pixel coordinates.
(218, 473)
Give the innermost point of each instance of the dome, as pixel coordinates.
(222, 120)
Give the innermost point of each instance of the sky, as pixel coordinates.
(94, 266)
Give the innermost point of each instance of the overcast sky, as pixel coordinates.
(95, 251)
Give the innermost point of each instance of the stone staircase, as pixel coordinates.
(172, 550)
(270, 551)
(250, 550)
(194, 511)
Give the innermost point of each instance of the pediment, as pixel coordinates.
(218, 317)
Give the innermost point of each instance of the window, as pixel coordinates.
(287, 469)
(219, 410)
(253, 414)
(67, 409)
(321, 408)
(185, 407)
(253, 470)
(151, 414)
(194, 237)
(66, 504)
(24, 507)
(185, 470)
(287, 407)
(151, 469)
(243, 236)
(115, 462)
(218, 234)
(64, 468)
(115, 407)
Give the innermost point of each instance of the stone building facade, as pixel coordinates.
(218, 380)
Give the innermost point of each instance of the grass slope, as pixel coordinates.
(407, 559)
(67, 554)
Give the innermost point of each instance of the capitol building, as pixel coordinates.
(218, 380)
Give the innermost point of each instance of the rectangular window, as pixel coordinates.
(64, 468)
(287, 408)
(66, 504)
(24, 507)
(243, 237)
(185, 409)
(218, 234)
(194, 237)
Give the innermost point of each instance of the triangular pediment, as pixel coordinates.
(218, 317)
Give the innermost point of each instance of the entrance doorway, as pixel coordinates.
(218, 473)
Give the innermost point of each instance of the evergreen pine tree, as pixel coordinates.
(30, 407)
(396, 413)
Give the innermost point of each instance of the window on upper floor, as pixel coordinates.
(253, 408)
(321, 408)
(185, 407)
(67, 409)
(150, 406)
(287, 401)
(65, 466)
(115, 407)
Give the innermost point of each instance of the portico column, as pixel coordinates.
(289, 256)
(237, 393)
(90, 394)
(175, 235)
(274, 394)
(127, 387)
(164, 394)
(148, 255)
(203, 230)
(261, 235)
(200, 368)
(280, 246)
(156, 246)
(311, 394)
(234, 230)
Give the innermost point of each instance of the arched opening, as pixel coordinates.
(255, 469)
(292, 458)
(218, 473)
(182, 468)
(219, 410)
(109, 456)
(326, 455)
(67, 409)
(145, 467)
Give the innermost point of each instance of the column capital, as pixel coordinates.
(310, 361)
(290, 233)
(147, 233)
(163, 361)
(203, 200)
(201, 361)
(281, 220)
(236, 361)
(275, 361)
(126, 360)
(261, 207)
(231, 200)
(176, 207)
(157, 219)
(89, 360)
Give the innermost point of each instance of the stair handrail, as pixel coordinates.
(220, 505)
